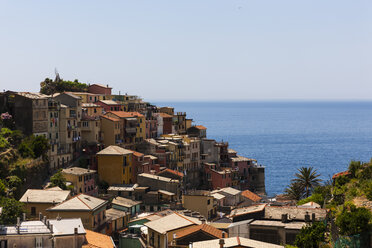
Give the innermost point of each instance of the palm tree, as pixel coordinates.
(308, 179)
(294, 191)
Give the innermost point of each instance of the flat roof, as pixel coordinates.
(78, 171)
(44, 196)
(114, 150)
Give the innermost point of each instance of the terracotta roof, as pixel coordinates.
(164, 115)
(100, 85)
(110, 118)
(124, 114)
(203, 227)
(177, 173)
(343, 173)
(100, 240)
(251, 196)
(200, 127)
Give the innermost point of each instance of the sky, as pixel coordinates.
(194, 50)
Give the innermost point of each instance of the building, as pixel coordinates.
(99, 89)
(91, 109)
(179, 122)
(159, 183)
(235, 242)
(82, 179)
(202, 202)
(43, 233)
(232, 196)
(249, 198)
(164, 123)
(197, 131)
(30, 112)
(38, 200)
(126, 205)
(110, 105)
(115, 165)
(91, 210)
(138, 165)
(161, 231)
(197, 233)
(90, 130)
(110, 131)
(151, 127)
(134, 127)
(117, 220)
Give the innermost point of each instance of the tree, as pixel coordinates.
(58, 180)
(311, 235)
(2, 188)
(40, 146)
(11, 210)
(307, 178)
(294, 191)
(354, 220)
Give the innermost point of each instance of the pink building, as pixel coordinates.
(217, 178)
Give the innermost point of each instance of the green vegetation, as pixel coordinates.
(48, 86)
(305, 181)
(58, 180)
(310, 236)
(353, 220)
(20, 158)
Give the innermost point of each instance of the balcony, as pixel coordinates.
(131, 130)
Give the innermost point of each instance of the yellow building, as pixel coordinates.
(115, 165)
(91, 210)
(134, 127)
(110, 131)
(82, 179)
(202, 202)
(160, 231)
(38, 200)
(92, 109)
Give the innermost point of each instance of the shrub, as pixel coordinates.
(353, 220)
(311, 235)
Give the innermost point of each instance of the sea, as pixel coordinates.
(284, 136)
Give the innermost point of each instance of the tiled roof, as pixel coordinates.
(200, 127)
(170, 222)
(124, 114)
(294, 212)
(203, 227)
(110, 118)
(45, 196)
(90, 104)
(177, 173)
(247, 210)
(95, 240)
(164, 115)
(100, 85)
(33, 95)
(138, 154)
(251, 196)
(234, 242)
(78, 171)
(121, 201)
(229, 190)
(80, 202)
(114, 150)
(218, 196)
(66, 226)
(114, 214)
(310, 205)
(164, 179)
(343, 173)
(239, 158)
(109, 102)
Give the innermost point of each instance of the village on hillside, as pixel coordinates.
(116, 171)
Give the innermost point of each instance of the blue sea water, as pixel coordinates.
(285, 136)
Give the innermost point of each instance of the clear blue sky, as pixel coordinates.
(194, 49)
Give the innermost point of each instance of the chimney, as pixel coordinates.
(224, 235)
(44, 220)
(107, 85)
(222, 242)
(51, 228)
(24, 216)
(75, 237)
(40, 216)
(18, 225)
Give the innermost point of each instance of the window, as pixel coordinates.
(56, 135)
(95, 110)
(209, 201)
